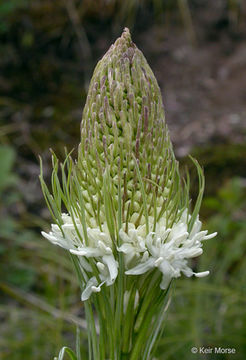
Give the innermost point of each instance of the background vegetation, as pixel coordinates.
(47, 53)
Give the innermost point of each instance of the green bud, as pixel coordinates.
(123, 127)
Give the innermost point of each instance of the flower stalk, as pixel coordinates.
(122, 209)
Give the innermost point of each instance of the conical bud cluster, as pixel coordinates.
(123, 127)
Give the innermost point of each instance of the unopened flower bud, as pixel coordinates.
(123, 127)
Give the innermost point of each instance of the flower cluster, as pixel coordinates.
(167, 249)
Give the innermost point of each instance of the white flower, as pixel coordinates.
(69, 239)
(70, 236)
(133, 243)
(170, 249)
(167, 249)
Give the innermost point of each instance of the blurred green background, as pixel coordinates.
(48, 49)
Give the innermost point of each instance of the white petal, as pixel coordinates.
(196, 227)
(158, 261)
(126, 248)
(164, 233)
(178, 229)
(179, 239)
(166, 268)
(104, 249)
(201, 274)
(56, 240)
(49, 236)
(145, 256)
(112, 265)
(189, 253)
(124, 236)
(87, 251)
(101, 267)
(187, 271)
(142, 267)
(207, 237)
(165, 282)
(199, 236)
(96, 289)
(88, 289)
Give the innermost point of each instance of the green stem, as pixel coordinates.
(129, 320)
(92, 335)
(154, 311)
(150, 318)
(119, 306)
(148, 299)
